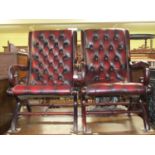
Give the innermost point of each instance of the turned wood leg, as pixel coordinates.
(15, 116)
(75, 114)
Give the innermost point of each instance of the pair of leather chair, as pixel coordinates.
(105, 71)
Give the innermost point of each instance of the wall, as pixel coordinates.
(16, 31)
(17, 38)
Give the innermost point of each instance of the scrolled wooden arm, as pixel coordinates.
(13, 73)
(79, 73)
(146, 71)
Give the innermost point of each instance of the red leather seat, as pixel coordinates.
(101, 89)
(41, 90)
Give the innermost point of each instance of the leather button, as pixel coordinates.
(50, 77)
(111, 68)
(95, 37)
(66, 43)
(96, 56)
(51, 63)
(46, 71)
(35, 57)
(106, 58)
(39, 78)
(111, 48)
(56, 56)
(96, 78)
(90, 46)
(55, 69)
(40, 65)
(60, 77)
(91, 68)
(60, 63)
(61, 51)
(51, 37)
(56, 44)
(100, 47)
(45, 43)
(116, 37)
(40, 50)
(61, 37)
(66, 56)
(65, 70)
(45, 56)
(120, 47)
(106, 37)
(116, 58)
(50, 50)
(101, 68)
(41, 37)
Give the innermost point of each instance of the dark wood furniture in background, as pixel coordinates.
(12, 48)
(22, 56)
(7, 103)
(6, 59)
(22, 59)
(146, 53)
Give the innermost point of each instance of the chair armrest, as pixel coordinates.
(79, 74)
(139, 65)
(12, 73)
(146, 71)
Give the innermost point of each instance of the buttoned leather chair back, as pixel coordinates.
(106, 54)
(51, 58)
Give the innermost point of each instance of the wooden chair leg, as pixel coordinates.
(84, 124)
(129, 107)
(15, 117)
(75, 115)
(28, 107)
(26, 103)
(145, 116)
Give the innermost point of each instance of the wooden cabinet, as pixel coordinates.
(7, 106)
(6, 59)
(7, 103)
(22, 59)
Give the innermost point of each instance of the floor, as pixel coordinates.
(62, 125)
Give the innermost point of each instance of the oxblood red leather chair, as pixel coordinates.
(50, 72)
(107, 73)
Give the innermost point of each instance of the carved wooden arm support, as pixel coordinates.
(13, 73)
(146, 72)
(79, 74)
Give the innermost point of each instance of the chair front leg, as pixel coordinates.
(15, 116)
(83, 109)
(129, 107)
(75, 114)
(145, 116)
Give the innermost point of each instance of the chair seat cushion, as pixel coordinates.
(114, 89)
(41, 90)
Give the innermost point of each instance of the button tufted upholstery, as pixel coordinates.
(51, 62)
(107, 71)
(50, 74)
(106, 55)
